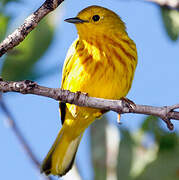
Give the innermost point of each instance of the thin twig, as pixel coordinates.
(12, 124)
(29, 24)
(166, 113)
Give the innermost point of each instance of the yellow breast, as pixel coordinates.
(101, 69)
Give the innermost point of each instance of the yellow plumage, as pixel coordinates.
(101, 62)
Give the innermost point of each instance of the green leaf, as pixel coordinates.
(20, 62)
(98, 144)
(3, 26)
(171, 22)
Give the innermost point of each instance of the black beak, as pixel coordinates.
(75, 20)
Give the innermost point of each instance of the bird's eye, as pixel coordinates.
(96, 18)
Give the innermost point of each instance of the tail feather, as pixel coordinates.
(61, 156)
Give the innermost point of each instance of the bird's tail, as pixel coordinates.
(61, 156)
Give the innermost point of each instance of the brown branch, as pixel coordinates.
(170, 4)
(29, 24)
(12, 124)
(166, 113)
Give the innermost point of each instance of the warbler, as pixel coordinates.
(100, 62)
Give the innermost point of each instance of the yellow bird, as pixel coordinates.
(100, 62)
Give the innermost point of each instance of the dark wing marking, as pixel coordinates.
(62, 111)
(46, 165)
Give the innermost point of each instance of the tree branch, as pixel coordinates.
(29, 24)
(166, 113)
(12, 123)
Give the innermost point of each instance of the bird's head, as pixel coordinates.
(96, 21)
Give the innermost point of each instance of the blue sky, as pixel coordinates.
(155, 82)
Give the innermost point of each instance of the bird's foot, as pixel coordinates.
(130, 104)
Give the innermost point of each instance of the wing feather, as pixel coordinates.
(67, 64)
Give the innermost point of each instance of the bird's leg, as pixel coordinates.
(118, 119)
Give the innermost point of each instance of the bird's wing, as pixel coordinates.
(67, 64)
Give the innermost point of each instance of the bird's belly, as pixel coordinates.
(102, 82)
(105, 83)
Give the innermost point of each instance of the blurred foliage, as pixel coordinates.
(4, 2)
(165, 140)
(20, 62)
(98, 144)
(125, 155)
(3, 25)
(171, 22)
(137, 158)
(151, 153)
(165, 167)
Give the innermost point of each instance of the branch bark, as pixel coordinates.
(166, 113)
(29, 24)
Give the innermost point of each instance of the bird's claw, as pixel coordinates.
(130, 104)
(84, 93)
